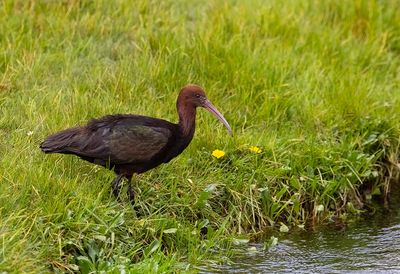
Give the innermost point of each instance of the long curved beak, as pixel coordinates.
(211, 108)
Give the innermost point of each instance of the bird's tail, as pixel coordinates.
(60, 142)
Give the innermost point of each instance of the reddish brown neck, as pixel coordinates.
(187, 118)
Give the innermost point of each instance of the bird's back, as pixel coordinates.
(117, 140)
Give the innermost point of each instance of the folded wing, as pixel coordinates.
(106, 141)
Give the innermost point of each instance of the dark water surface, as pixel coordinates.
(368, 245)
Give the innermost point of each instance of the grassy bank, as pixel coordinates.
(315, 86)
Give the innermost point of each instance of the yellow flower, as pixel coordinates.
(255, 149)
(218, 153)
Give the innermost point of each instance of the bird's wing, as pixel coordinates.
(120, 144)
(137, 143)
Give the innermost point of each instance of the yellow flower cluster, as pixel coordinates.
(255, 149)
(218, 153)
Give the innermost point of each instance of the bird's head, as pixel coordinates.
(196, 97)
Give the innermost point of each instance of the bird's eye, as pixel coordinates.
(197, 95)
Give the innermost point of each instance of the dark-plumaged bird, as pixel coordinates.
(131, 144)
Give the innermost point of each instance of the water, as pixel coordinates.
(369, 245)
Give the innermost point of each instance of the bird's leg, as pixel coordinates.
(130, 192)
(115, 185)
(131, 196)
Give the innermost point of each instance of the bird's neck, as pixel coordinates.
(187, 119)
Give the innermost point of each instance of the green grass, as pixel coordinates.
(315, 85)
